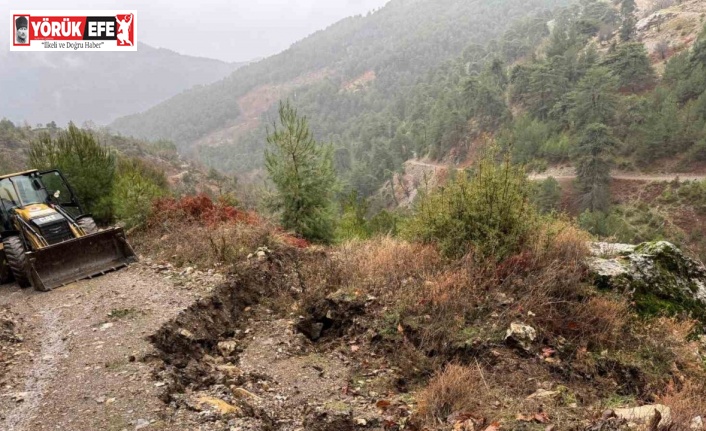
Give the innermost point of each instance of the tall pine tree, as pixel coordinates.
(593, 164)
(302, 171)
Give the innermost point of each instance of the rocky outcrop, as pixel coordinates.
(656, 19)
(659, 276)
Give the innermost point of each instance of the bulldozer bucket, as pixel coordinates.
(76, 259)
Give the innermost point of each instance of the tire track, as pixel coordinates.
(44, 368)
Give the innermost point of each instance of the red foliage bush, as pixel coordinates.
(199, 208)
(203, 210)
(295, 241)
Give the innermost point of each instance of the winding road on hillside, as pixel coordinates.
(567, 173)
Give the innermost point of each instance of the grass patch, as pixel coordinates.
(124, 313)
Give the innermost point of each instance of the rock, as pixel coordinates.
(261, 254)
(186, 334)
(521, 335)
(653, 20)
(697, 423)
(645, 414)
(311, 329)
(607, 414)
(230, 370)
(141, 423)
(653, 272)
(220, 406)
(241, 393)
(227, 347)
(543, 393)
(601, 249)
(19, 397)
(607, 269)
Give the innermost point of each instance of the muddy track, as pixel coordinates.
(85, 363)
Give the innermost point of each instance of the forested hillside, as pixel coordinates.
(356, 80)
(157, 157)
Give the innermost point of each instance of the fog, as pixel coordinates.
(228, 30)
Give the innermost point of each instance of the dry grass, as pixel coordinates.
(196, 230)
(686, 403)
(668, 345)
(438, 303)
(385, 264)
(186, 243)
(456, 389)
(433, 315)
(550, 282)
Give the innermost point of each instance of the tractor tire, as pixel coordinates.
(5, 271)
(16, 257)
(88, 225)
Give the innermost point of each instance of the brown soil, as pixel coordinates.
(360, 82)
(255, 103)
(85, 362)
(232, 348)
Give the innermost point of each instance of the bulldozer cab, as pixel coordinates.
(47, 240)
(18, 191)
(33, 187)
(59, 192)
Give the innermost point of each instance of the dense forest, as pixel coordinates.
(359, 121)
(554, 83)
(547, 78)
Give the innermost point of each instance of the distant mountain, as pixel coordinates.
(40, 87)
(350, 79)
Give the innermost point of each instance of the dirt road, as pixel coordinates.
(85, 364)
(570, 173)
(567, 172)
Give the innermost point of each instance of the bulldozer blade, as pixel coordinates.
(76, 259)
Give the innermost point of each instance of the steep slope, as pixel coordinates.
(62, 87)
(183, 176)
(362, 65)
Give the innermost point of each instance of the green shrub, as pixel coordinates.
(692, 193)
(487, 211)
(557, 148)
(384, 223)
(137, 184)
(88, 166)
(352, 224)
(547, 195)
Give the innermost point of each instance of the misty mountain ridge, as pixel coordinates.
(41, 87)
(384, 53)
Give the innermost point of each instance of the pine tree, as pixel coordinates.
(88, 166)
(302, 171)
(632, 66)
(593, 164)
(627, 13)
(595, 98)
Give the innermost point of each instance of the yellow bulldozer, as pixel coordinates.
(47, 239)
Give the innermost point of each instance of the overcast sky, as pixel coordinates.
(230, 30)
